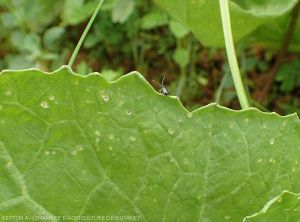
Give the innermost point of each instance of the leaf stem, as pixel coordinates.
(236, 75)
(181, 83)
(87, 28)
(221, 87)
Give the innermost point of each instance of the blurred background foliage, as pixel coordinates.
(138, 35)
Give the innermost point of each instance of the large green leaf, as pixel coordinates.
(75, 145)
(271, 35)
(203, 16)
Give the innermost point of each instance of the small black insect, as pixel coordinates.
(163, 89)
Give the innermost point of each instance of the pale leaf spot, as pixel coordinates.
(44, 105)
(8, 93)
(171, 131)
(51, 97)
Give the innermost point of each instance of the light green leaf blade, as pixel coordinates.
(178, 30)
(77, 11)
(203, 16)
(75, 145)
(285, 207)
(154, 19)
(181, 56)
(52, 35)
(122, 10)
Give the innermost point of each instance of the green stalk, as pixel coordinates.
(86, 30)
(181, 83)
(239, 87)
(221, 87)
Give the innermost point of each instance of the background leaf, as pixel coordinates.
(181, 56)
(77, 11)
(288, 75)
(52, 35)
(203, 17)
(122, 10)
(154, 19)
(178, 30)
(74, 145)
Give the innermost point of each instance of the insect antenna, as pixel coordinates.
(162, 82)
(156, 83)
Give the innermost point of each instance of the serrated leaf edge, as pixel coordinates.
(147, 84)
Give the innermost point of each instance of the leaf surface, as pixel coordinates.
(202, 17)
(285, 207)
(75, 145)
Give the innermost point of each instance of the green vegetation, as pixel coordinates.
(103, 143)
(121, 146)
(43, 34)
